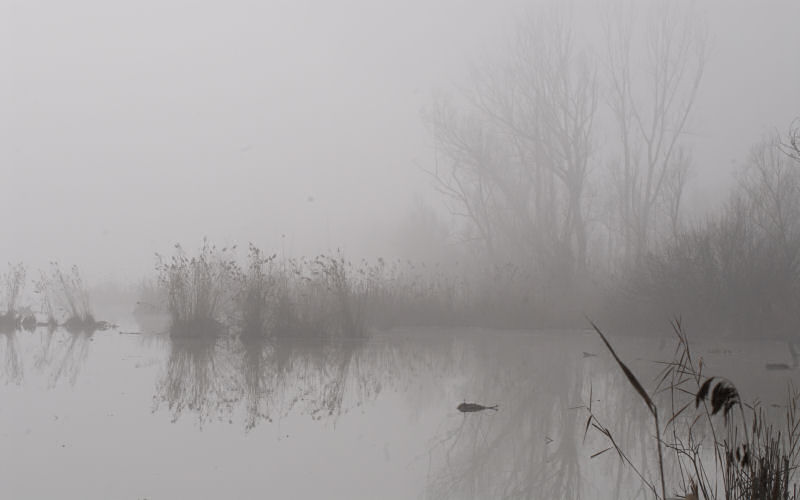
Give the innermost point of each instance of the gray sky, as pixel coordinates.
(129, 126)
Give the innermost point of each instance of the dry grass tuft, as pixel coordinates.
(745, 455)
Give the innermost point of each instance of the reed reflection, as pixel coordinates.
(13, 371)
(268, 377)
(256, 377)
(61, 354)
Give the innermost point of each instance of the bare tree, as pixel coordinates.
(772, 189)
(517, 161)
(791, 146)
(651, 102)
(675, 183)
(736, 271)
(465, 159)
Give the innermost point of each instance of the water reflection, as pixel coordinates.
(57, 354)
(12, 364)
(269, 377)
(261, 378)
(150, 319)
(533, 447)
(61, 354)
(199, 377)
(526, 450)
(537, 445)
(12, 361)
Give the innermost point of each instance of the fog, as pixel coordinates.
(129, 128)
(450, 249)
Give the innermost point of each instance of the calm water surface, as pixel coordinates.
(115, 415)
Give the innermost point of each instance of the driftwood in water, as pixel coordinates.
(472, 407)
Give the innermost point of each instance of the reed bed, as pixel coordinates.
(14, 281)
(212, 292)
(709, 443)
(330, 296)
(199, 289)
(73, 295)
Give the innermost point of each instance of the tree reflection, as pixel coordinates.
(523, 451)
(534, 447)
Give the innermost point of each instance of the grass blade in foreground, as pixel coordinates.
(650, 405)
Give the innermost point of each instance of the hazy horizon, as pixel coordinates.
(130, 128)
(547, 227)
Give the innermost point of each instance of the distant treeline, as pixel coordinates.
(569, 155)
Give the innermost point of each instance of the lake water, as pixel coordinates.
(132, 416)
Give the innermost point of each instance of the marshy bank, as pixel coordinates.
(722, 277)
(296, 349)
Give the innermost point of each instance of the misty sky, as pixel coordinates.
(127, 127)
